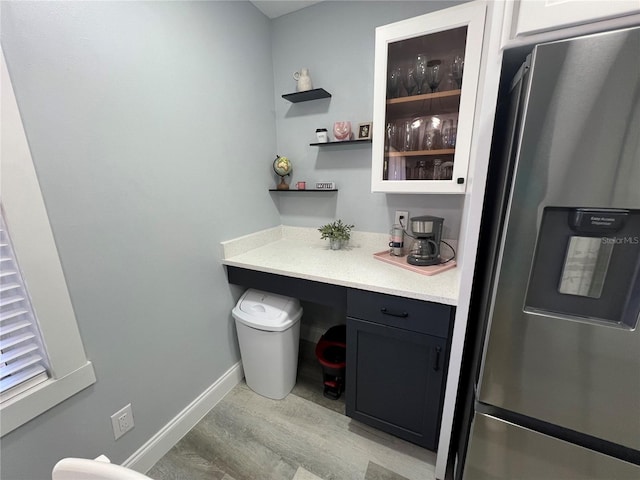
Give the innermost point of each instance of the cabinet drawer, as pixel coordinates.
(406, 313)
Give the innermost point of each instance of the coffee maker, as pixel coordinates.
(427, 232)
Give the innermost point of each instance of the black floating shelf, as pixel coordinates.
(303, 191)
(314, 94)
(322, 144)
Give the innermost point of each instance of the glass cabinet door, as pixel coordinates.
(425, 86)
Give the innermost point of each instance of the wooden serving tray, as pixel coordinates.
(401, 262)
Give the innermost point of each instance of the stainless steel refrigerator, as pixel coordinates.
(557, 299)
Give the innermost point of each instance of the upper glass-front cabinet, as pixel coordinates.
(426, 79)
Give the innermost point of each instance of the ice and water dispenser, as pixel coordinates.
(586, 266)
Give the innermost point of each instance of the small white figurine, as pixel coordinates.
(303, 79)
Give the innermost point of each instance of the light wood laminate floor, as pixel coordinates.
(302, 437)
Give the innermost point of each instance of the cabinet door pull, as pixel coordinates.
(394, 313)
(436, 365)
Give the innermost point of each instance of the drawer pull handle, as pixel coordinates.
(436, 365)
(394, 313)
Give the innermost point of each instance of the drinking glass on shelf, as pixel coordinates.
(446, 171)
(449, 135)
(391, 135)
(432, 139)
(457, 69)
(393, 82)
(451, 83)
(421, 170)
(407, 133)
(436, 133)
(434, 74)
(453, 133)
(416, 127)
(407, 78)
(410, 133)
(437, 169)
(437, 139)
(420, 72)
(397, 168)
(427, 140)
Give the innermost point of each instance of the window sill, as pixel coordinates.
(37, 400)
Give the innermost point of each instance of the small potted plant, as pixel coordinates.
(337, 232)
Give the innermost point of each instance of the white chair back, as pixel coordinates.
(99, 469)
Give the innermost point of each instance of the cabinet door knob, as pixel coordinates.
(394, 313)
(460, 180)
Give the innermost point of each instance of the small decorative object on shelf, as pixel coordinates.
(322, 135)
(301, 185)
(364, 131)
(325, 185)
(304, 80)
(342, 131)
(282, 167)
(337, 232)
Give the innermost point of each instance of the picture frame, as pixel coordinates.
(365, 130)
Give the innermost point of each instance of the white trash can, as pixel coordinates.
(268, 328)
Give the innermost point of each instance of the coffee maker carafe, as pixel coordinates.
(427, 231)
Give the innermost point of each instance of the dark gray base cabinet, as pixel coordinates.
(397, 352)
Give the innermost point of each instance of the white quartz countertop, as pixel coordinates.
(298, 252)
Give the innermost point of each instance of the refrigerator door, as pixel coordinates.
(579, 148)
(503, 451)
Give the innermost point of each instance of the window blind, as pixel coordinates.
(22, 357)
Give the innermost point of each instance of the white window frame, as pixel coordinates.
(35, 249)
(23, 361)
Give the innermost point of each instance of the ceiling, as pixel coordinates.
(277, 8)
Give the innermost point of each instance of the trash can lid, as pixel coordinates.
(267, 311)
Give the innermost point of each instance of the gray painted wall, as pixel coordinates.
(147, 122)
(335, 40)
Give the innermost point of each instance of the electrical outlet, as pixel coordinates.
(122, 421)
(402, 218)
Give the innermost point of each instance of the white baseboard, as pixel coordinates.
(158, 445)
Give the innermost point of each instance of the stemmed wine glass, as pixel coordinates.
(393, 83)
(420, 72)
(457, 69)
(434, 74)
(408, 80)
